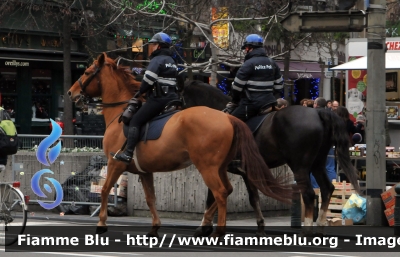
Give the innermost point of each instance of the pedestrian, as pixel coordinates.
(255, 82)
(303, 102)
(319, 102)
(329, 104)
(330, 166)
(310, 103)
(360, 127)
(335, 105)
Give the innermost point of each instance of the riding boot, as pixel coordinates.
(132, 140)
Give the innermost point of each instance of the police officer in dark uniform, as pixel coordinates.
(255, 81)
(159, 82)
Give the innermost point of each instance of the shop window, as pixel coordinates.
(8, 89)
(41, 94)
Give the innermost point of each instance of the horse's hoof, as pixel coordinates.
(203, 231)
(261, 233)
(306, 234)
(217, 235)
(151, 234)
(101, 229)
(319, 234)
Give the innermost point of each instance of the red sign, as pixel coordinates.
(393, 45)
(357, 90)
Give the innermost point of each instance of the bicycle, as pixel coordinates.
(13, 211)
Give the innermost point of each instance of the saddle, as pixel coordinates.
(265, 109)
(172, 106)
(152, 129)
(255, 122)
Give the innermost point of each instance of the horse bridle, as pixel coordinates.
(84, 96)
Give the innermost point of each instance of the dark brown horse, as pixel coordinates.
(297, 136)
(207, 138)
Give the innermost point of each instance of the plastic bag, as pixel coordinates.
(355, 209)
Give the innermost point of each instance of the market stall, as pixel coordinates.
(356, 82)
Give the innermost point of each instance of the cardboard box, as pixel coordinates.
(390, 215)
(389, 197)
(340, 222)
(343, 185)
(122, 182)
(103, 172)
(121, 191)
(95, 188)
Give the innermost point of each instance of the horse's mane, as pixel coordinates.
(125, 74)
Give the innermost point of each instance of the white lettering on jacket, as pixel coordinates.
(263, 67)
(170, 65)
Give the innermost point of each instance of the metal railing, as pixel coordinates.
(29, 141)
(76, 168)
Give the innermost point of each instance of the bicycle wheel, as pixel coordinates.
(12, 215)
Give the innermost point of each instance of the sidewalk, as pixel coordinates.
(273, 225)
(283, 221)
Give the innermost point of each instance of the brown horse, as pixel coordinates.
(202, 136)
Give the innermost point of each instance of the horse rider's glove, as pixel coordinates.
(133, 106)
(230, 107)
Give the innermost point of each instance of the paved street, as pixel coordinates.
(310, 251)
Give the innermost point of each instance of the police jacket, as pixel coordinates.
(259, 75)
(162, 72)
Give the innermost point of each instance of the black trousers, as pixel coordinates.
(250, 108)
(246, 111)
(149, 110)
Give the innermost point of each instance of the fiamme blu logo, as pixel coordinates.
(41, 156)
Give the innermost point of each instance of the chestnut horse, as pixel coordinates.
(202, 136)
(297, 136)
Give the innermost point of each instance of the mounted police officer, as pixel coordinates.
(159, 82)
(255, 81)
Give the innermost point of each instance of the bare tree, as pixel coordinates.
(56, 16)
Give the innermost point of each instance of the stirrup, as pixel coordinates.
(123, 157)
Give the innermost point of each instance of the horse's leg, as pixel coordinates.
(254, 199)
(114, 171)
(148, 187)
(302, 177)
(217, 181)
(326, 188)
(206, 227)
(308, 195)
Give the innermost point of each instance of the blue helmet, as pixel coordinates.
(253, 40)
(161, 38)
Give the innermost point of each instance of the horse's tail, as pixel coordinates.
(340, 139)
(253, 164)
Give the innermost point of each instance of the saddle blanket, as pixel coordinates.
(155, 127)
(255, 122)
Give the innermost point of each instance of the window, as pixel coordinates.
(8, 90)
(41, 94)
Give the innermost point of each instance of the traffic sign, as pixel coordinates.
(328, 21)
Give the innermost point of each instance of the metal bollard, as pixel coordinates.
(295, 220)
(397, 211)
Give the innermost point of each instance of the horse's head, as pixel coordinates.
(103, 77)
(88, 85)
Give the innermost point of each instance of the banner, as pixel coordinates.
(356, 91)
(220, 30)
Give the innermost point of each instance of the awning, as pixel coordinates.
(392, 63)
(39, 55)
(298, 70)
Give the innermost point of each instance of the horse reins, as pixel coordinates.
(84, 85)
